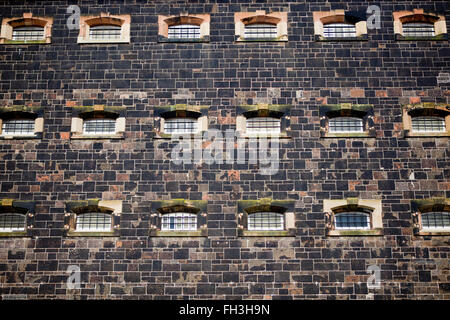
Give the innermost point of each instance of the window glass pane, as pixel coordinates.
(10, 222)
(260, 31)
(19, 127)
(184, 31)
(346, 124)
(266, 221)
(263, 124)
(339, 30)
(93, 222)
(28, 33)
(418, 29)
(99, 126)
(180, 125)
(105, 32)
(436, 220)
(352, 220)
(179, 221)
(428, 124)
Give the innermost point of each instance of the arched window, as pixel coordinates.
(428, 124)
(179, 221)
(93, 217)
(260, 221)
(93, 222)
(260, 31)
(184, 31)
(436, 220)
(12, 222)
(352, 220)
(263, 124)
(16, 218)
(419, 25)
(180, 125)
(261, 26)
(105, 32)
(104, 28)
(99, 126)
(26, 29)
(339, 30)
(18, 127)
(183, 28)
(346, 124)
(28, 33)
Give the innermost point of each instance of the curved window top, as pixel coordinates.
(26, 29)
(105, 32)
(261, 221)
(352, 220)
(346, 124)
(428, 124)
(436, 220)
(12, 222)
(339, 30)
(184, 31)
(260, 31)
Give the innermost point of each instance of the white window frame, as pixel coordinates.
(416, 118)
(25, 134)
(187, 219)
(12, 230)
(432, 229)
(86, 121)
(80, 217)
(354, 213)
(266, 214)
(350, 28)
(348, 120)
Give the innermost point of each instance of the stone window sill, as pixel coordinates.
(165, 233)
(14, 234)
(439, 37)
(427, 135)
(281, 233)
(7, 41)
(355, 233)
(77, 136)
(265, 135)
(92, 234)
(87, 41)
(204, 39)
(320, 38)
(19, 137)
(348, 135)
(279, 39)
(434, 233)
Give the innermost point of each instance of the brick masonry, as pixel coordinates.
(224, 74)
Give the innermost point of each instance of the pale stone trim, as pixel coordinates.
(124, 21)
(336, 16)
(440, 26)
(280, 17)
(202, 20)
(30, 20)
(374, 204)
(115, 205)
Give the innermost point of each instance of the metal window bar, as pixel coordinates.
(92, 222)
(428, 124)
(105, 32)
(346, 124)
(18, 127)
(184, 31)
(99, 126)
(263, 124)
(418, 30)
(260, 31)
(28, 33)
(11, 222)
(180, 125)
(436, 220)
(265, 221)
(352, 220)
(339, 30)
(181, 221)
